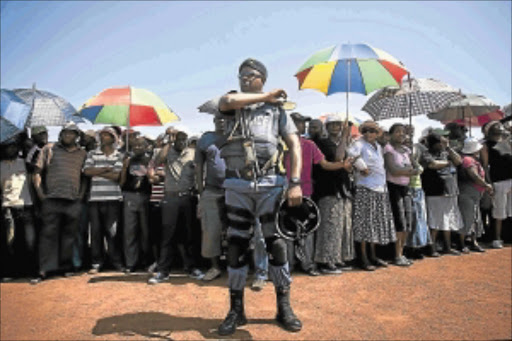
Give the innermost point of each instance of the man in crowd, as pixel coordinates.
(60, 186)
(18, 233)
(136, 190)
(210, 175)
(177, 203)
(253, 189)
(103, 166)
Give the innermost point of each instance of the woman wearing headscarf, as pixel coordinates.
(372, 216)
(472, 184)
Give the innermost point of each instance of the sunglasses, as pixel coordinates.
(371, 131)
(249, 75)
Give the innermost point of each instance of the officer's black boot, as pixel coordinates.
(285, 316)
(236, 314)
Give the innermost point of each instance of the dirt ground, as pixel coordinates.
(449, 298)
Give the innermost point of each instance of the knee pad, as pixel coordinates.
(237, 252)
(276, 247)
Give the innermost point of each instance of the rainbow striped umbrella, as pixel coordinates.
(127, 106)
(358, 68)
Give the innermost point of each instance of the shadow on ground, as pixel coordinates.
(159, 325)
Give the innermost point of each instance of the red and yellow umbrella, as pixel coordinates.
(127, 106)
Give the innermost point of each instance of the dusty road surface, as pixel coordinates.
(449, 298)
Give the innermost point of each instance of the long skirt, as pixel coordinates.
(420, 235)
(469, 205)
(334, 238)
(372, 217)
(443, 213)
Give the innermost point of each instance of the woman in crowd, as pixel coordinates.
(398, 172)
(372, 216)
(471, 186)
(497, 162)
(419, 235)
(439, 181)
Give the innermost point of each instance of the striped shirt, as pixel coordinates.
(104, 189)
(157, 190)
(62, 169)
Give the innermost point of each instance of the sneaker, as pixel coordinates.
(196, 274)
(465, 250)
(211, 274)
(258, 284)
(497, 244)
(158, 278)
(330, 269)
(94, 269)
(401, 261)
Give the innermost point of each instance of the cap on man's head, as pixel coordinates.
(111, 131)
(38, 130)
(333, 118)
(71, 126)
(256, 65)
(297, 116)
(90, 132)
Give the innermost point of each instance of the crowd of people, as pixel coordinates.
(115, 200)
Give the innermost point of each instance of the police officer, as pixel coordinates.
(255, 121)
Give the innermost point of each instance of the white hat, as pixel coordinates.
(333, 118)
(471, 146)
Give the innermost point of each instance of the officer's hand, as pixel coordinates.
(294, 196)
(365, 172)
(276, 95)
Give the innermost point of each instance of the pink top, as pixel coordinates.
(400, 159)
(311, 155)
(468, 162)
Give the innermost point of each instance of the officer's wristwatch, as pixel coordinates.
(294, 182)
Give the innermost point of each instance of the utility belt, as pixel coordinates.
(248, 173)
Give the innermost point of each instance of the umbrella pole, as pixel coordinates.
(410, 102)
(348, 85)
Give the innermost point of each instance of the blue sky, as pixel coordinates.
(188, 52)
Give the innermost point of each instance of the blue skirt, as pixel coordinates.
(420, 235)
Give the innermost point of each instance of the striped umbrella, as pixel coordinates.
(347, 68)
(417, 96)
(127, 106)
